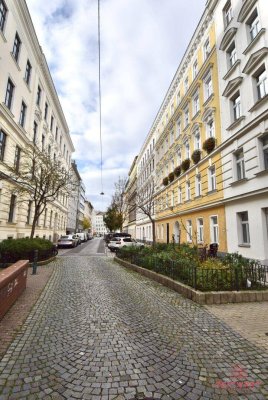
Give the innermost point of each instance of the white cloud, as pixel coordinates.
(142, 42)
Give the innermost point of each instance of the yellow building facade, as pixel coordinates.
(189, 196)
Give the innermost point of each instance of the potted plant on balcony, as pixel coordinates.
(165, 181)
(171, 176)
(177, 170)
(196, 156)
(209, 144)
(185, 164)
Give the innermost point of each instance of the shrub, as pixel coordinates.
(196, 156)
(19, 249)
(209, 144)
(177, 171)
(165, 181)
(171, 177)
(185, 164)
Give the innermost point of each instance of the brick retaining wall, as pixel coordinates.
(196, 295)
(12, 284)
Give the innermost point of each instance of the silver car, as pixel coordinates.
(67, 241)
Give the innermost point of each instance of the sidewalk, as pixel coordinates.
(15, 317)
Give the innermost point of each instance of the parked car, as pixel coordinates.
(89, 236)
(112, 235)
(119, 242)
(67, 241)
(83, 236)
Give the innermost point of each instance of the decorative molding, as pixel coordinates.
(254, 41)
(208, 112)
(232, 69)
(254, 59)
(235, 123)
(245, 9)
(228, 36)
(232, 85)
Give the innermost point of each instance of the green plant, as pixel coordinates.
(209, 144)
(196, 156)
(185, 165)
(177, 170)
(165, 181)
(171, 177)
(19, 249)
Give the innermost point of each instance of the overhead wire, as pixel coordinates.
(100, 102)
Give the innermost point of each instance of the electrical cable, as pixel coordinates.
(100, 109)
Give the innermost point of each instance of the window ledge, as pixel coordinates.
(187, 201)
(198, 197)
(211, 192)
(231, 70)
(259, 103)
(211, 97)
(11, 223)
(235, 123)
(8, 110)
(235, 183)
(27, 85)
(254, 41)
(186, 127)
(196, 115)
(244, 245)
(3, 36)
(15, 61)
(263, 172)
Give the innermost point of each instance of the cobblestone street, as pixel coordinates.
(100, 331)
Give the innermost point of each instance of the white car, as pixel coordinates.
(118, 242)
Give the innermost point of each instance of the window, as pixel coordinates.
(2, 144)
(264, 143)
(196, 106)
(178, 97)
(29, 212)
(9, 93)
(212, 178)
(208, 89)
(28, 72)
(186, 117)
(210, 128)
(186, 84)
(197, 140)
(16, 47)
(178, 130)
(206, 49)
(189, 230)
(22, 114)
(232, 55)
(172, 198)
(43, 143)
(187, 150)
(46, 111)
(11, 213)
(38, 96)
(214, 229)
(198, 187)
(200, 230)
(171, 137)
(227, 13)
(17, 158)
(261, 82)
(236, 104)
(240, 165)
(188, 190)
(195, 69)
(166, 200)
(35, 130)
(3, 13)
(244, 228)
(51, 123)
(179, 195)
(253, 25)
(179, 156)
(56, 134)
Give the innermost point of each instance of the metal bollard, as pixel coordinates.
(35, 262)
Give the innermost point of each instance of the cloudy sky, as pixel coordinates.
(142, 42)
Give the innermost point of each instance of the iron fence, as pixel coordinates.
(7, 258)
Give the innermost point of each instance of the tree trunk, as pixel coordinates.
(35, 218)
(153, 226)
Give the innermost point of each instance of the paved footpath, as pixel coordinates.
(100, 331)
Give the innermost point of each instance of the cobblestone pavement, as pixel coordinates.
(100, 331)
(249, 319)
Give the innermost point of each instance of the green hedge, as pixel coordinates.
(12, 250)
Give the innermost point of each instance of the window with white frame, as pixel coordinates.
(227, 13)
(196, 103)
(264, 151)
(187, 149)
(3, 137)
(179, 195)
(178, 97)
(214, 229)
(172, 198)
(186, 116)
(12, 205)
(243, 233)
(171, 138)
(236, 105)
(178, 130)
(9, 93)
(208, 88)
(200, 230)
(166, 145)
(206, 49)
(261, 82)
(212, 178)
(197, 139)
(253, 24)
(189, 230)
(210, 127)
(198, 185)
(172, 109)
(232, 54)
(195, 69)
(3, 13)
(188, 190)
(186, 84)
(16, 47)
(172, 165)
(166, 200)
(22, 114)
(166, 117)
(240, 164)
(179, 156)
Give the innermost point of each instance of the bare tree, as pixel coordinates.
(35, 177)
(118, 202)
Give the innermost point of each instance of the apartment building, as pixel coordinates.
(30, 115)
(129, 224)
(76, 205)
(99, 227)
(241, 34)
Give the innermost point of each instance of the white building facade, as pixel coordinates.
(99, 227)
(30, 114)
(242, 37)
